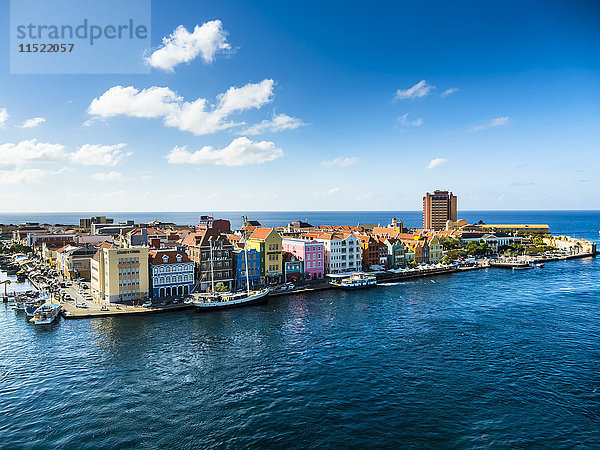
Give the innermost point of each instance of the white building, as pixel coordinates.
(342, 250)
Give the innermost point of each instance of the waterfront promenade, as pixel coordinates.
(95, 309)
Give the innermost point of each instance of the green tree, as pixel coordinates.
(450, 243)
(446, 260)
(220, 287)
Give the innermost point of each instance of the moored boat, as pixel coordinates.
(46, 313)
(229, 300)
(522, 266)
(357, 280)
(223, 300)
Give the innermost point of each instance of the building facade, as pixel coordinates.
(438, 208)
(342, 250)
(212, 254)
(268, 243)
(171, 273)
(120, 275)
(395, 252)
(311, 252)
(436, 250)
(74, 261)
(253, 260)
(293, 268)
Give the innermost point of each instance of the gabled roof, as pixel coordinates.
(260, 234)
(156, 257)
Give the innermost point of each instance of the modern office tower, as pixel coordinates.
(438, 208)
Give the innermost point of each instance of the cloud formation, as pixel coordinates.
(279, 122)
(34, 151)
(32, 123)
(449, 91)
(99, 155)
(497, 122)
(436, 162)
(340, 162)
(197, 117)
(18, 176)
(403, 119)
(182, 46)
(421, 89)
(240, 152)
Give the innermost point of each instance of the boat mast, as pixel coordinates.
(246, 258)
(212, 271)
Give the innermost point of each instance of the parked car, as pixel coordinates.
(81, 305)
(147, 304)
(104, 308)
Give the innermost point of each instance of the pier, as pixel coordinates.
(94, 311)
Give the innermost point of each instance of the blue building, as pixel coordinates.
(171, 273)
(253, 268)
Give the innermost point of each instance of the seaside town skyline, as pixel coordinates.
(130, 262)
(274, 108)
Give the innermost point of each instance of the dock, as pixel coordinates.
(71, 312)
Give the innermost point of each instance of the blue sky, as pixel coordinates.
(374, 105)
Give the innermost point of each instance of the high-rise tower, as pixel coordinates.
(438, 208)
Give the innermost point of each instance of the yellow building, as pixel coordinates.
(268, 243)
(120, 275)
(436, 250)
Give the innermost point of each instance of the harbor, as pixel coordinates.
(486, 331)
(72, 309)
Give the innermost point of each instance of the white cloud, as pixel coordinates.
(19, 176)
(99, 155)
(241, 152)
(436, 162)
(148, 103)
(497, 122)
(449, 91)
(421, 89)
(197, 117)
(340, 162)
(31, 123)
(328, 192)
(3, 117)
(279, 122)
(107, 176)
(87, 154)
(250, 96)
(31, 150)
(182, 46)
(403, 119)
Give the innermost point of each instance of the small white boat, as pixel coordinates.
(358, 280)
(539, 265)
(46, 313)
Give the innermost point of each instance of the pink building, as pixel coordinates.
(311, 252)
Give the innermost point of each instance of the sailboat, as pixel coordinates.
(223, 300)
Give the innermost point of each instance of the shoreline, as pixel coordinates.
(71, 312)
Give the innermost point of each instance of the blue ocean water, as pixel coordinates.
(570, 222)
(488, 358)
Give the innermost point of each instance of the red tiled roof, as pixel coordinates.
(156, 257)
(260, 234)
